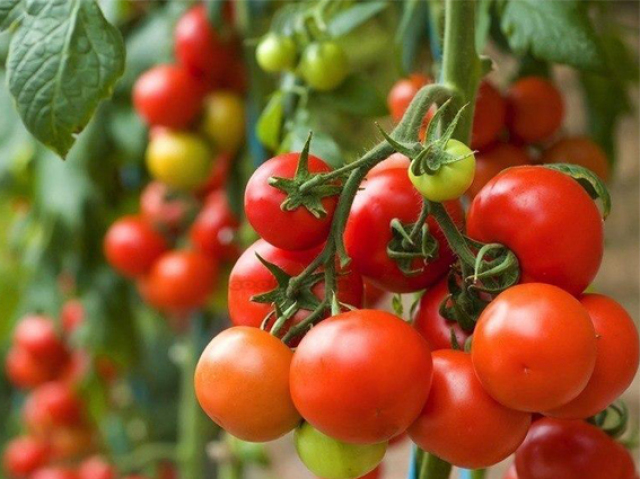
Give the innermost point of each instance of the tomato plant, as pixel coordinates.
(276, 53)
(324, 66)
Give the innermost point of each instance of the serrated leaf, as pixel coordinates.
(357, 96)
(63, 60)
(555, 31)
(269, 126)
(10, 11)
(592, 184)
(350, 19)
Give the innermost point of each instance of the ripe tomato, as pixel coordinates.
(25, 371)
(167, 95)
(324, 66)
(372, 295)
(460, 422)
(450, 181)
(54, 472)
(218, 175)
(375, 393)
(388, 194)
(579, 150)
(132, 246)
(23, 455)
(214, 229)
(431, 325)
(330, 458)
(37, 335)
(181, 160)
(562, 243)
(534, 347)
(250, 277)
(402, 93)
(180, 280)
(628, 467)
(165, 209)
(223, 120)
(491, 162)
(276, 53)
(71, 315)
(567, 449)
(396, 160)
(291, 230)
(488, 117)
(242, 383)
(54, 404)
(70, 443)
(96, 467)
(535, 109)
(616, 360)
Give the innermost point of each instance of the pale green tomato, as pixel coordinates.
(451, 180)
(324, 66)
(332, 459)
(276, 53)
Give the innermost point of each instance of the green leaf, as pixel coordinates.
(63, 60)
(269, 126)
(483, 23)
(555, 31)
(10, 11)
(350, 19)
(214, 12)
(357, 96)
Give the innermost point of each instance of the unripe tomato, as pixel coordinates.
(167, 95)
(181, 280)
(616, 359)
(567, 246)
(276, 53)
(375, 394)
(54, 404)
(164, 208)
(54, 472)
(37, 335)
(71, 315)
(96, 467)
(534, 347)
(223, 120)
(535, 109)
(295, 230)
(491, 162)
(488, 117)
(132, 246)
(242, 383)
(332, 459)
(402, 93)
(26, 371)
(324, 66)
(451, 180)
(23, 455)
(214, 229)
(181, 160)
(460, 422)
(579, 150)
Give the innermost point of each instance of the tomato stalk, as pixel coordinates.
(432, 467)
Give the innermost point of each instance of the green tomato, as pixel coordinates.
(276, 53)
(324, 66)
(332, 459)
(451, 180)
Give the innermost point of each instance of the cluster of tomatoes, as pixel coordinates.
(196, 118)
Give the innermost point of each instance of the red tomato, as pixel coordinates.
(167, 95)
(132, 246)
(562, 243)
(214, 230)
(372, 295)
(402, 93)
(628, 467)
(23, 455)
(350, 381)
(242, 383)
(579, 150)
(489, 116)
(38, 336)
(431, 325)
(180, 280)
(165, 209)
(250, 277)
(616, 360)
(460, 422)
(96, 467)
(26, 371)
(535, 109)
(218, 176)
(490, 163)
(290, 230)
(389, 194)
(54, 472)
(394, 161)
(52, 405)
(568, 449)
(71, 315)
(534, 347)
(71, 443)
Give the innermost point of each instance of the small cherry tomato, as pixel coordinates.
(402, 93)
(165, 209)
(330, 458)
(181, 160)
(375, 393)
(451, 180)
(96, 467)
(25, 371)
(324, 66)
(534, 347)
(297, 229)
(214, 230)
(491, 162)
(276, 53)
(54, 472)
(616, 359)
(223, 120)
(460, 422)
(579, 150)
(488, 117)
(69, 443)
(54, 404)
(242, 383)
(37, 335)
(535, 109)
(23, 455)
(132, 246)
(167, 95)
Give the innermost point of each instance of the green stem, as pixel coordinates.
(456, 240)
(433, 467)
(479, 474)
(147, 454)
(417, 227)
(231, 470)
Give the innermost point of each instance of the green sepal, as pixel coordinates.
(404, 250)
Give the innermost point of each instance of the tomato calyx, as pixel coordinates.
(613, 420)
(309, 197)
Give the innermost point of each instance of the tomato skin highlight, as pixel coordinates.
(616, 361)
(489, 116)
(579, 150)
(242, 383)
(96, 467)
(563, 241)
(534, 347)
(460, 422)
(332, 459)
(491, 162)
(37, 335)
(289, 230)
(54, 472)
(375, 394)
(23, 455)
